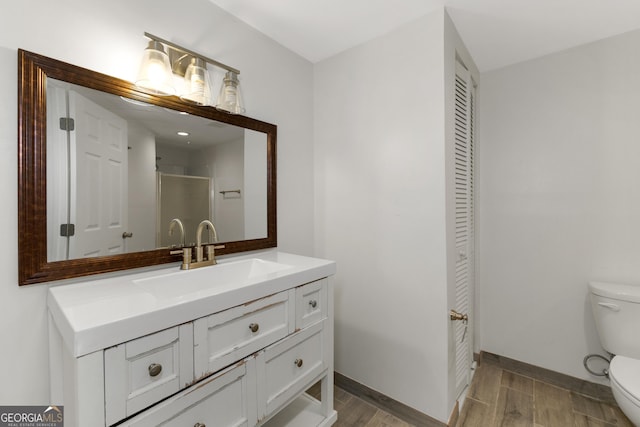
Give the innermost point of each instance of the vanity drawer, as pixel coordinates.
(225, 337)
(311, 303)
(143, 371)
(226, 399)
(289, 367)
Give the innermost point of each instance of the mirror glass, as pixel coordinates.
(119, 171)
(105, 169)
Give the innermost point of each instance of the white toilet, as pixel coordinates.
(616, 309)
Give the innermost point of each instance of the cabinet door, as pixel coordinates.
(223, 338)
(311, 303)
(226, 399)
(143, 371)
(288, 367)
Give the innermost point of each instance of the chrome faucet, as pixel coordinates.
(172, 226)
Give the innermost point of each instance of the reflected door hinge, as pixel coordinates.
(67, 230)
(67, 123)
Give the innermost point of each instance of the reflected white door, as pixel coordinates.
(99, 202)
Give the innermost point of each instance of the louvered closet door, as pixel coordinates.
(464, 138)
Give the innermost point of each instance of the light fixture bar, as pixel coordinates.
(190, 52)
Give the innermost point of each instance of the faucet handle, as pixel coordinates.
(186, 258)
(211, 254)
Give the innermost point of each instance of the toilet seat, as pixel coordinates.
(625, 372)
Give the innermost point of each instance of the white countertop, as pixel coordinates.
(100, 313)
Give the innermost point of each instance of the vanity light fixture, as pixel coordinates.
(155, 71)
(230, 98)
(197, 88)
(163, 60)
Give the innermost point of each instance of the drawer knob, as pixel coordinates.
(155, 369)
(298, 363)
(254, 327)
(199, 425)
(313, 303)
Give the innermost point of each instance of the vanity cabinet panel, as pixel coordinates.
(311, 303)
(226, 399)
(229, 355)
(143, 371)
(223, 338)
(289, 367)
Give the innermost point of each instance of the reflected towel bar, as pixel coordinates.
(235, 194)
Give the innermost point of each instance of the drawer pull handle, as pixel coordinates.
(298, 363)
(313, 303)
(199, 425)
(254, 327)
(155, 369)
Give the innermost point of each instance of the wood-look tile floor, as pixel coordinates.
(500, 398)
(496, 398)
(353, 411)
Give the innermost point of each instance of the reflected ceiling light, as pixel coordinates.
(163, 60)
(182, 133)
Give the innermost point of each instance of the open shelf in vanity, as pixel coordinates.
(236, 346)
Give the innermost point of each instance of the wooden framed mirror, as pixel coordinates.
(44, 86)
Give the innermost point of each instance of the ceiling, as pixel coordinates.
(496, 32)
(164, 123)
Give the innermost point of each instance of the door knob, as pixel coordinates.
(454, 315)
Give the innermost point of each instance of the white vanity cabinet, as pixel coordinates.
(286, 368)
(225, 337)
(226, 399)
(143, 371)
(234, 353)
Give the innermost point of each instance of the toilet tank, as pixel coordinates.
(616, 309)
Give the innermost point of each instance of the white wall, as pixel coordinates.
(108, 37)
(142, 178)
(255, 181)
(227, 169)
(559, 199)
(380, 197)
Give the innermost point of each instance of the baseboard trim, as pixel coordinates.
(379, 400)
(455, 415)
(586, 388)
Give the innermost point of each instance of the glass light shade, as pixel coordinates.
(155, 74)
(230, 98)
(197, 88)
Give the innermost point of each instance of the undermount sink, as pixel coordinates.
(215, 277)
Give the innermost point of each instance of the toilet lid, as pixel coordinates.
(626, 372)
